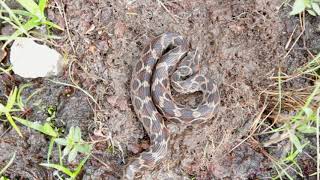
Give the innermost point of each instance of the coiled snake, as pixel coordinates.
(167, 58)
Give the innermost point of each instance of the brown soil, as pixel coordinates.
(242, 44)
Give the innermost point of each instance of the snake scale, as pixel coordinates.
(167, 63)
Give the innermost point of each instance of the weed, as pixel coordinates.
(8, 109)
(67, 171)
(25, 20)
(301, 124)
(52, 113)
(73, 145)
(46, 128)
(15, 104)
(304, 123)
(311, 6)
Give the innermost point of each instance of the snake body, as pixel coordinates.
(167, 60)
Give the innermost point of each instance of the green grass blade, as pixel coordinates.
(50, 149)
(313, 174)
(313, 65)
(51, 24)
(11, 13)
(19, 98)
(19, 12)
(44, 36)
(13, 124)
(8, 38)
(59, 168)
(32, 7)
(60, 155)
(33, 94)
(42, 5)
(9, 163)
(11, 22)
(283, 171)
(12, 98)
(308, 102)
(78, 170)
(32, 23)
(46, 128)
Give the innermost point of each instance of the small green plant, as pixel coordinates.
(8, 109)
(295, 119)
(300, 126)
(73, 144)
(303, 124)
(311, 6)
(25, 20)
(52, 113)
(15, 104)
(67, 171)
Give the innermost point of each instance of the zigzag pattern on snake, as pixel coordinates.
(166, 63)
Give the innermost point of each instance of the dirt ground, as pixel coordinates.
(242, 42)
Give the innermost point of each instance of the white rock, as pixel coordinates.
(32, 60)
